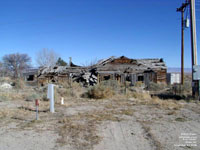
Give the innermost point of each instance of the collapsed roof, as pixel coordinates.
(124, 64)
(60, 70)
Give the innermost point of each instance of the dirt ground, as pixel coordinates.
(85, 124)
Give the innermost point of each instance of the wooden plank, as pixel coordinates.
(133, 79)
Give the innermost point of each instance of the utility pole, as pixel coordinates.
(195, 82)
(182, 47)
(182, 10)
(193, 32)
(195, 66)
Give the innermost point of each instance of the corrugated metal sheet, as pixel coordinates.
(173, 78)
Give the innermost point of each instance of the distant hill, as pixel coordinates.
(178, 70)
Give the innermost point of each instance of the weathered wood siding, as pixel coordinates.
(161, 76)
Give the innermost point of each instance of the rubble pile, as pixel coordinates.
(5, 86)
(85, 75)
(86, 78)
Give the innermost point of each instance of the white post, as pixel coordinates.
(62, 101)
(50, 96)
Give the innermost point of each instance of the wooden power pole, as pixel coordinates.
(195, 67)
(182, 10)
(182, 47)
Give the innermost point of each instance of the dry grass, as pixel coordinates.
(24, 118)
(180, 119)
(163, 104)
(71, 85)
(172, 113)
(5, 80)
(139, 84)
(110, 90)
(66, 90)
(139, 96)
(19, 114)
(19, 84)
(157, 86)
(21, 94)
(30, 124)
(11, 95)
(128, 112)
(4, 113)
(142, 95)
(80, 135)
(44, 106)
(166, 104)
(19, 91)
(144, 98)
(32, 96)
(186, 89)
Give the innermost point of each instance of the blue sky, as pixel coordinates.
(95, 29)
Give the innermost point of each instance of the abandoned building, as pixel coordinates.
(30, 74)
(133, 70)
(121, 69)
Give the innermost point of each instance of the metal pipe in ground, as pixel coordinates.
(37, 108)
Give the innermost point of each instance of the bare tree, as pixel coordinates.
(1, 65)
(1, 69)
(16, 63)
(46, 57)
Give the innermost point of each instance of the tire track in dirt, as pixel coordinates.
(124, 139)
(150, 136)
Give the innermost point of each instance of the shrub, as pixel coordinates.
(111, 83)
(33, 97)
(99, 92)
(166, 104)
(11, 95)
(5, 80)
(186, 88)
(65, 92)
(115, 86)
(156, 86)
(139, 84)
(142, 95)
